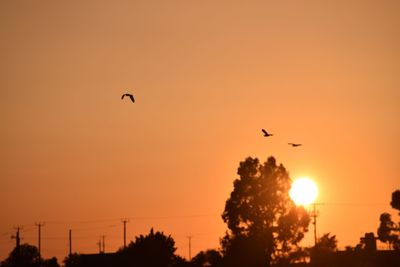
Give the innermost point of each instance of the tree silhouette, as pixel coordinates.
(24, 256)
(367, 243)
(326, 243)
(264, 223)
(385, 231)
(50, 262)
(153, 250)
(324, 247)
(395, 203)
(72, 260)
(211, 257)
(388, 230)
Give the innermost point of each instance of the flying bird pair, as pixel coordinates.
(266, 134)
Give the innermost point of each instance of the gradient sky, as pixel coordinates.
(207, 76)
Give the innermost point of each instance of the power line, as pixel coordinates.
(177, 216)
(133, 218)
(28, 228)
(82, 221)
(94, 228)
(353, 204)
(7, 234)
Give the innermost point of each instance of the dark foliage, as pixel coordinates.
(27, 256)
(326, 243)
(264, 223)
(153, 250)
(24, 256)
(72, 260)
(50, 262)
(395, 203)
(207, 258)
(386, 231)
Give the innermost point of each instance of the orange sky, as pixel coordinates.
(207, 76)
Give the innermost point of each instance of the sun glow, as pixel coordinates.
(304, 191)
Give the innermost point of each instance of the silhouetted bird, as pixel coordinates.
(130, 96)
(266, 134)
(294, 145)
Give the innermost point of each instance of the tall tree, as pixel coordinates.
(263, 222)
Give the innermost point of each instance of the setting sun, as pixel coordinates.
(304, 191)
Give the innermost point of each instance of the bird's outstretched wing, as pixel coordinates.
(294, 145)
(130, 96)
(266, 134)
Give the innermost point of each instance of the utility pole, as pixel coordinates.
(17, 238)
(39, 225)
(315, 225)
(124, 221)
(17, 244)
(70, 242)
(190, 247)
(104, 243)
(99, 244)
(314, 215)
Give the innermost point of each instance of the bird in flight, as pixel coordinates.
(130, 96)
(266, 134)
(293, 144)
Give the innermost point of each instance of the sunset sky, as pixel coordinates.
(207, 77)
